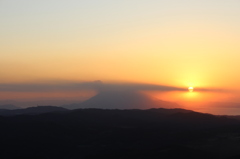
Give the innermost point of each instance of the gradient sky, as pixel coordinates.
(163, 42)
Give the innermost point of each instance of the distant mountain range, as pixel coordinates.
(126, 100)
(31, 110)
(37, 102)
(9, 107)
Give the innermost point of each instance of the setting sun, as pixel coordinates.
(190, 89)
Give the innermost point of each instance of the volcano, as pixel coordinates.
(122, 100)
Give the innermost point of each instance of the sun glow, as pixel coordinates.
(190, 89)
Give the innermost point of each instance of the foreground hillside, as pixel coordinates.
(120, 134)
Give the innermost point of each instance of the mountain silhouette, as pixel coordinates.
(9, 107)
(122, 100)
(31, 110)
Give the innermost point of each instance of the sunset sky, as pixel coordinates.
(154, 42)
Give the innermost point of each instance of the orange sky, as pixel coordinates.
(170, 42)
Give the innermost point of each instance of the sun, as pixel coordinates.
(190, 89)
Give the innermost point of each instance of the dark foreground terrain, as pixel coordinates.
(118, 134)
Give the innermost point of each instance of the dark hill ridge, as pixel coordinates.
(149, 117)
(124, 117)
(31, 110)
(122, 100)
(116, 134)
(109, 134)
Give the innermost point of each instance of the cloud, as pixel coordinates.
(47, 87)
(95, 85)
(138, 87)
(211, 90)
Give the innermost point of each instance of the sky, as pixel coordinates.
(155, 42)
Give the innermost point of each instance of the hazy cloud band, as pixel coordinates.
(96, 85)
